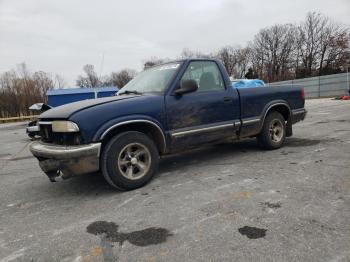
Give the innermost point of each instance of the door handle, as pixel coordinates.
(227, 99)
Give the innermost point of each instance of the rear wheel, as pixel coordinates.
(129, 160)
(273, 133)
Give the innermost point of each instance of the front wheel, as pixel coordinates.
(273, 132)
(129, 160)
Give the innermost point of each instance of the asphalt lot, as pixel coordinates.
(230, 202)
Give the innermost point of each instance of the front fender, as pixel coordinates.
(114, 123)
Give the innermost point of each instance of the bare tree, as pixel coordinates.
(153, 61)
(235, 59)
(334, 48)
(228, 56)
(60, 82)
(311, 32)
(322, 45)
(90, 80)
(19, 89)
(42, 82)
(244, 61)
(273, 48)
(121, 78)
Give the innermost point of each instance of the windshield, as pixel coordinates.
(151, 80)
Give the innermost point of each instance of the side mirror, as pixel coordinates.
(187, 86)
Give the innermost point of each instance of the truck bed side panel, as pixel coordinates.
(256, 101)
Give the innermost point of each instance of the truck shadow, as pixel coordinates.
(90, 185)
(94, 185)
(224, 150)
(204, 154)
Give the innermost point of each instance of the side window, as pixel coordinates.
(206, 74)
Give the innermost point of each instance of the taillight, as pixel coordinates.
(302, 93)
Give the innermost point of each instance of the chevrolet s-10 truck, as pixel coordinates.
(165, 109)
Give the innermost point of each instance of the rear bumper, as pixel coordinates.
(298, 115)
(66, 161)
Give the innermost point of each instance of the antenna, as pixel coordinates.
(101, 67)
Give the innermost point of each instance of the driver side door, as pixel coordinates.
(204, 116)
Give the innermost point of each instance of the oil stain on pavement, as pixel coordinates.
(272, 205)
(252, 232)
(145, 237)
(108, 233)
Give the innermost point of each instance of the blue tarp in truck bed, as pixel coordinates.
(246, 83)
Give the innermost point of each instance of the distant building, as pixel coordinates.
(58, 97)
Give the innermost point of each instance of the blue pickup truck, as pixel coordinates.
(165, 109)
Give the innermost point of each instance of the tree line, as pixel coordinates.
(118, 79)
(19, 89)
(316, 46)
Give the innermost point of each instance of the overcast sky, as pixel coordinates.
(61, 36)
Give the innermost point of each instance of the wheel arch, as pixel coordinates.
(284, 109)
(281, 107)
(150, 128)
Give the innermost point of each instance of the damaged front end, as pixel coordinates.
(32, 128)
(62, 152)
(59, 161)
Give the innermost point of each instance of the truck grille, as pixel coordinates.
(47, 136)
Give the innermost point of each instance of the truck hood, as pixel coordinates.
(65, 111)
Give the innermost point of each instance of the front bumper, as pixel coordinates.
(66, 161)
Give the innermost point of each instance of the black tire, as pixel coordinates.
(112, 153)
(267, 139)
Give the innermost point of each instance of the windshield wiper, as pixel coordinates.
(126, 92)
